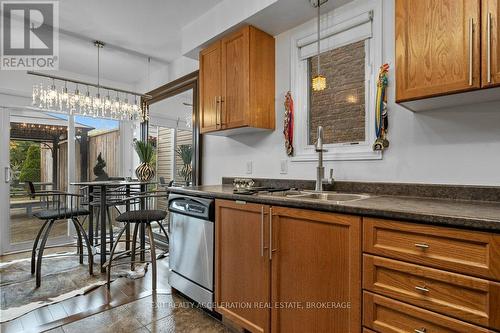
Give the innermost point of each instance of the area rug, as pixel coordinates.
(62, 278)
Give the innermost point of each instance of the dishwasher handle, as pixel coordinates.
(192, 206)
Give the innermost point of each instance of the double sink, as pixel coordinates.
(321, 196)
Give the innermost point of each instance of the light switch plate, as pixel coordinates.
(283, 167)
(249, 167)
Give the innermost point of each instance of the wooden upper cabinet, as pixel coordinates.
(210, 87)
(242, 267)
(316, 271)
(490, 43)
(437, 47)
(243, 77)
(236, 79)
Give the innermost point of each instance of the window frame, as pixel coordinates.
(300, 83)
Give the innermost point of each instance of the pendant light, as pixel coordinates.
(318, 81)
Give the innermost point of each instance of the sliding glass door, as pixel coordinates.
(37, 162)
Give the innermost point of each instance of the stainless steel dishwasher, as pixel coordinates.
(191, 257)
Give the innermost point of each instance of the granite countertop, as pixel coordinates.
(478, 215)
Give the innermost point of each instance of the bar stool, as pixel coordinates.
(63, 206)
(138, 218)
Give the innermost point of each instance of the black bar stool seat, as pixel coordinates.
(57, 214)
(138, 217)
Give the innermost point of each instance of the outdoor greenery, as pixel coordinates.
(185, 152)
(18, 153)
(30, 169)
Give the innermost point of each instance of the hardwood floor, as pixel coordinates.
(129, 306)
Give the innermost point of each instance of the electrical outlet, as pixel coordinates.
(249, 167)
(283, 167)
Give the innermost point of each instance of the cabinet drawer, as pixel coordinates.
(386, 315)
(468, 298)
(468, 252)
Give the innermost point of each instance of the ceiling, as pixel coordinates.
(135, 30)
(132, 31)
(286, 14)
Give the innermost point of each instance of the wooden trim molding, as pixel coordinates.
(184, 83)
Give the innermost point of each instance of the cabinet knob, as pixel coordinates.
(422, 246)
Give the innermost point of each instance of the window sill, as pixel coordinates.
(338, 154)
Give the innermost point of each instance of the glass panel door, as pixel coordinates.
(38, 159)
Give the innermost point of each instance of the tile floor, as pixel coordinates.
(155, 313)
(129, 306)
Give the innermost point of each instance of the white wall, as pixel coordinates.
(223, 16)
(458, 146)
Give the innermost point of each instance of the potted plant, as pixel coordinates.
(145, 150)
(185, 152)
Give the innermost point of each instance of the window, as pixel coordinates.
(97, 153)
(340, 108)
(351, 53)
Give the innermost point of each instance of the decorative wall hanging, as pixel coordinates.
(381, 117)
(288, 124)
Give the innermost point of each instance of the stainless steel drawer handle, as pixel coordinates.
(422, 245)
(262, 231)
(216, 111)
(422, 330)
(422, 289)
(270, 233)
(471, 51)
(488, 48)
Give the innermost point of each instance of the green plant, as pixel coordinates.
(185, 152)
(18, 153)
(145, 151)
(30, 170)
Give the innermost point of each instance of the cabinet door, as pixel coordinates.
(437, 47)
(242, 266)
(210, 87)
(491, 43)
(236, 79)
(316, 271)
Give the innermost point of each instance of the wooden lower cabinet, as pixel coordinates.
(463, 251)
(281, 269)
(464, 297)
(316, 271)
(242, 267)
(385, 315)
(311, 280)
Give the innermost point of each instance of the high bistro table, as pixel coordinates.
(103, 186)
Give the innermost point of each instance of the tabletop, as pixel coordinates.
(112, 183)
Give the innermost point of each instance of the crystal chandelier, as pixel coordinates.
(115, 105)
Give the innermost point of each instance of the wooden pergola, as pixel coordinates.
(50, 130)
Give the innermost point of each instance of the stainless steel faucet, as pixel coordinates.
(320, 169)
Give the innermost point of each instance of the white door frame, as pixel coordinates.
(4, 180)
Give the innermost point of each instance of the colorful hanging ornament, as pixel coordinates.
(288, 124)
(381, 117)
